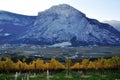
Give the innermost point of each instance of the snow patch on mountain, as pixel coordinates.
(7, 34)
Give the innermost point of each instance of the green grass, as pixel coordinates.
(62, 76)
(11, 77)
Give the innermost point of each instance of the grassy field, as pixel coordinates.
(62, 76)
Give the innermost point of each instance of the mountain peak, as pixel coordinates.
(63, 9)
(62, 6)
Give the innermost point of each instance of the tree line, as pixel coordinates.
(101, 63)
(8, 65)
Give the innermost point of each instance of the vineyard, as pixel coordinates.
(86, 69)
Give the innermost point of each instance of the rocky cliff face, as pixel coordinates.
(63, 23)
(12, 25)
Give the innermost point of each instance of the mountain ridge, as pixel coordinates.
(114, 23)
(13, 25)
(63, 23)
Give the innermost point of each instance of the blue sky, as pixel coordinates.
(98, 9)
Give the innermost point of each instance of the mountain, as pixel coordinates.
(60, 24)
(12, 25)
(114, 23)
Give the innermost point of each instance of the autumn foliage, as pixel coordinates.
(111, 63)
(35, 65)
(8, 65)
